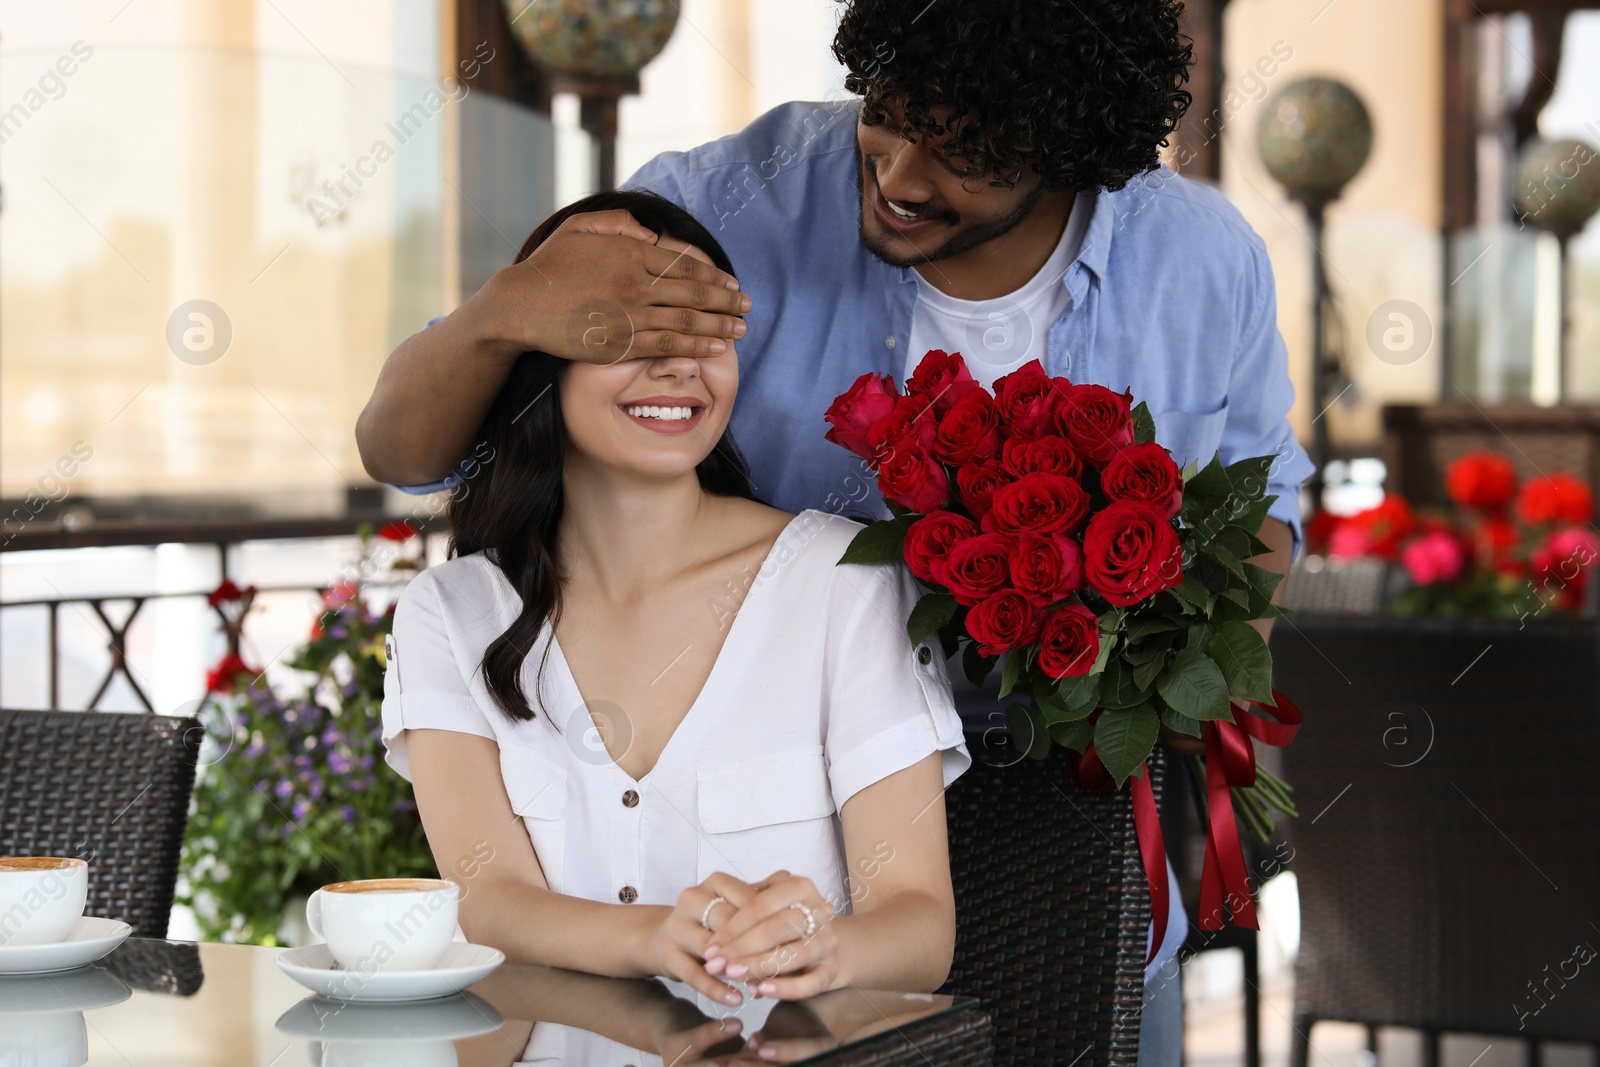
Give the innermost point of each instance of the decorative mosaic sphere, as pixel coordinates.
(1558, 184)
(598, 38)
(1314, 135)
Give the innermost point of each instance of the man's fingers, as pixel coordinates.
(671, 259)
(702, 293)
(616, 223)
(689, 322)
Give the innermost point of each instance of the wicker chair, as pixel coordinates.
(107, 787)
(1448, 853)
(1051, 909)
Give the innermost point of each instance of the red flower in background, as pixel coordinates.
(1145, 473)
(1131, 552)
(1377, 531)
(1002, 621)
(1558, 498)
(1051, 454)
(1044, 503)
(221, 677)
(1483, 481)
(869, 400)
(943, 379)
(229, 592)
(1435, 556)
(930, 539)
(1561, 566)
(1070, 642)
(1027, 399)
(399, 530)
(1098, 422)
(969, 430)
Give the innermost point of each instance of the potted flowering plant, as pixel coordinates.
(290, 796)
(1502, 550)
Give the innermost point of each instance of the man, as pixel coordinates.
(996, 191)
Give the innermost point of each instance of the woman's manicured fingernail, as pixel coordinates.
(732, 1026)
(713, 951)
(767, 1053)
(737, 970)
(715, 966)
(732, 996)
(769, 988)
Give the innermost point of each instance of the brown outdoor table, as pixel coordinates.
(177, 1003)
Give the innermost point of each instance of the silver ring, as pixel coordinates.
(811, 919)
(705, 916)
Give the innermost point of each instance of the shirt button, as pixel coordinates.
(889, 341)
(924, 655)
(630, 799)
(627, 894)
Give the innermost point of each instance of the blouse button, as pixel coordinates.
(889, 341)
(924, 655)
(630, 799)
(627, 894)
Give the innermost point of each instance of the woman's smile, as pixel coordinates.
(665, 414)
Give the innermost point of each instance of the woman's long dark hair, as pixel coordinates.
(511, 509)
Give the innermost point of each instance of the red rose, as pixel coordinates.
(912, 478)
(1556, 498)
(971, 430)
(910, 422)
(869, 400)
(977, 483)
(1027, 399)
(399, 530)
(1051, 454)
(1002, 622)
(229, 669)
(930, 538)
(1070, 642)
(1377, 531)
(1484, 481)
(1097, 421)
(1145, 472)
(943, 379)
(1131, 552)
(1046, 567)
(978, 567)
(1044, 503)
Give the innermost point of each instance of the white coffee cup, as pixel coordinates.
(41, 898)
(385, 924)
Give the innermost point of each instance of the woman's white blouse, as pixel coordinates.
(816, 694)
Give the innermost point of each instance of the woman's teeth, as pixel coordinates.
(651, 412)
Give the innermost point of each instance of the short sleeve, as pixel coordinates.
(1260, 394)
(423, 685)
(889, 704)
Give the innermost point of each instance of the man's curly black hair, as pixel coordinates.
(1082, 91)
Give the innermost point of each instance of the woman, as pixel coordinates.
(653, 727)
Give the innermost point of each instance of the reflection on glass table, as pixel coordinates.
(232, 1003)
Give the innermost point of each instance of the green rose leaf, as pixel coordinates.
(1144, 427)
(1073, 735)
(879, 542)
(1028, 730)
(932, 611)
(976, 665)
(1194, 685)
(1245, 663)
(1010, 673)
(1173, 720)
(1123, 739)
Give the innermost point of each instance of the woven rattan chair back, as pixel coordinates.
(107, 787)
(1052, 910)
(1448, 853)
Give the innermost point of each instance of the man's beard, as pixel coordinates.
(962, 241)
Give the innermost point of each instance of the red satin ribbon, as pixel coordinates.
(1231, 761)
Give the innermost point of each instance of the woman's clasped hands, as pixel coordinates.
(776, 936)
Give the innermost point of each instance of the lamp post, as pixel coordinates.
(1558, 191)
(595, 50)
(1313, 137)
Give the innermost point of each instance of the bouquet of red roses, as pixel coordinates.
(1052, 534)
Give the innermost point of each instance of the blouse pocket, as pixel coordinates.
(770, 812)
(1191, 435)
(536, 785)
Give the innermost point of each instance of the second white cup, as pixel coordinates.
(385, 924)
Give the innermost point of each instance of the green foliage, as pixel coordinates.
(292, 794)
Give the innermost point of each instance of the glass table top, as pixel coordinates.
(178, 1003)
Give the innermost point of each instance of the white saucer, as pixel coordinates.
(447, 1019)
(91, 939)
(463, 964)
(84, 989)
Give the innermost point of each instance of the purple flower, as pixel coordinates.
(347, 812)
(284, 789)
(366, 762)
(316, 787)
(286, 830)
(301, 809)
(338, 633)
(339, 763)
(255, 748)
(405, 807)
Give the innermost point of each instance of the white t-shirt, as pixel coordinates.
(997, 336)
(815, 695)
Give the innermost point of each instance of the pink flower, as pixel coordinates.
(1435, 556)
